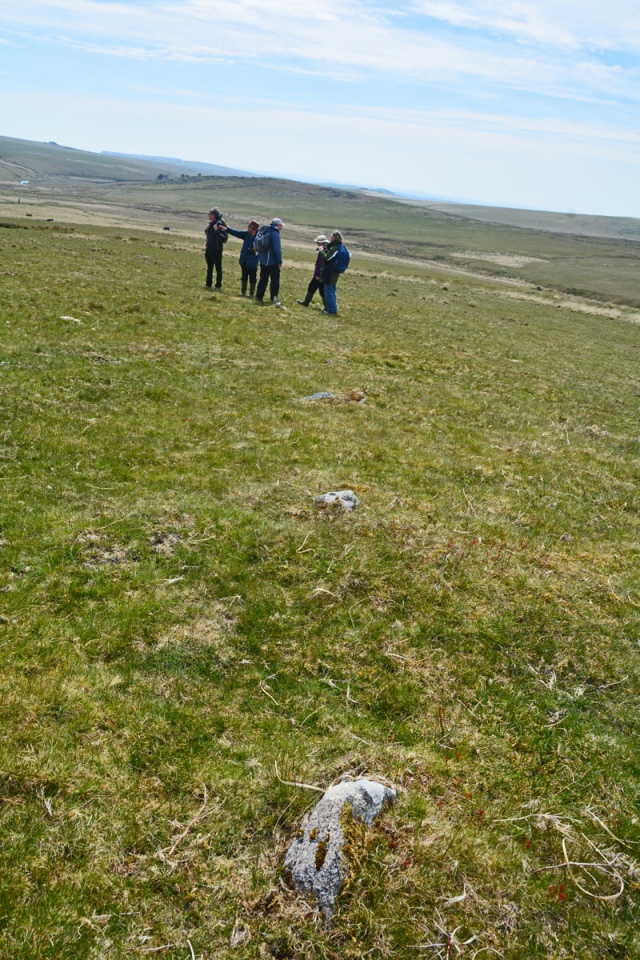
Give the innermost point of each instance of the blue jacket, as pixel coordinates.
(248, 257)
(336, 260)
(274, 253)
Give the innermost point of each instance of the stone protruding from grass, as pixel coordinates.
(322, 395)
(352, 396)
(338, 498)
(314, 858)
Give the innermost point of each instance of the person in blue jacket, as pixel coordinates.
(336, 260)
(248, 257)
(270, 264)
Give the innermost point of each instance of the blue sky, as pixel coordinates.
(530, 104)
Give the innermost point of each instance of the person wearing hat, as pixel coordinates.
(248, 257)
(216, 234)
(336, 260)
(316, 280)
(270, 263)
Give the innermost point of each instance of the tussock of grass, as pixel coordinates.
(177, 617)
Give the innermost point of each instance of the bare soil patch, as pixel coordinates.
(501, 259)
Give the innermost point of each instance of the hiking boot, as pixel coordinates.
(303, 303)
(276, 303)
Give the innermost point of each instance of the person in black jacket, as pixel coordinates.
(316, 280)
(216, 235)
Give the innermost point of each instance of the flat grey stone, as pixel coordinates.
(314, 858)
(341, 498)
(323, 395)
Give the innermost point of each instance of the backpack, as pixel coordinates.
(342, 260)
(262, 241)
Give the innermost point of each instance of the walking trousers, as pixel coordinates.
(268, 275)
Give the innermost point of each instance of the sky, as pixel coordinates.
(530, 104)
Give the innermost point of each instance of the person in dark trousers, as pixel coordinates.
(316, 280)
(336, 260)
(216, 236)
(248, 257)
(270, 264)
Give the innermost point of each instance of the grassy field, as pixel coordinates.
(181, 630)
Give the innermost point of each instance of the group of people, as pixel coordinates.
(262, 247)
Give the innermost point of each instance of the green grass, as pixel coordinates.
(176, 618)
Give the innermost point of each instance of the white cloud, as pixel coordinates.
(588, 24)
(547, 128)
(332, 35)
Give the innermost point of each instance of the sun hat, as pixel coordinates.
(321, 239)
(277, 222)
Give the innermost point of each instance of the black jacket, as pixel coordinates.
(216, 239)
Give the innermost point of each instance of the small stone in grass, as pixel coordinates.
(338, 498)
(322, 395)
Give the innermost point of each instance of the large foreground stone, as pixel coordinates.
(314, 858)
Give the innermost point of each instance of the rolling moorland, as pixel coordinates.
(184, 634)
(600, 260)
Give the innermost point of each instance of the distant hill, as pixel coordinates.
(31, 160)
(188, 167)
(42, 162)
(46, 164)
(573, 224)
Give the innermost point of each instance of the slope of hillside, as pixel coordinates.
(187, 640)
(188, 167)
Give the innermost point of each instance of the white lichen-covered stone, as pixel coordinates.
(314, 858)
(339, 498)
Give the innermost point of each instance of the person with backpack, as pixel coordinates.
(269, 250)
(216, 236)
(336, 260)
(316, 280)
(248, 257)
